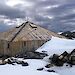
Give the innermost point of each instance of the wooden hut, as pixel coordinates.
(26, 37)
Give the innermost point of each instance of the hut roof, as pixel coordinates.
(28, 31)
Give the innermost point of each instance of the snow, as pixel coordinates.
(57, 45)
(64, 70)
(73, 31)
(60, 32)
(29, 70)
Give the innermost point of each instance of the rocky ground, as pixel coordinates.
(56, 57)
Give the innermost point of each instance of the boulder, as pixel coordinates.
(56, 61)
(71, 59)
(2, 62)
(10, 61)
(49, 65)
(40, 69)
(24, 63)
(64, 56)
(68, 34)
(19, 62)
(50, 71)
(73, 34)
(32, 55)
(59, 60)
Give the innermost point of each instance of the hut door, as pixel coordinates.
(24, 46)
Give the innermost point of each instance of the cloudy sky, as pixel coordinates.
(55, 15)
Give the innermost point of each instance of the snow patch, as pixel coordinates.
(57, 45)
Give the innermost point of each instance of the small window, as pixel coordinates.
(24, 43)
(8, 46)
(33, 26)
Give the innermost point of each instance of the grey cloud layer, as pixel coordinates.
(61, 11)
(11, 12)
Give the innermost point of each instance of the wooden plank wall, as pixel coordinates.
(1, 47)
(20, 46)
(23, 46)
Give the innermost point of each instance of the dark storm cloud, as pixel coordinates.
(11, 12)
(64, 11)
(61, 11)
(41, 18)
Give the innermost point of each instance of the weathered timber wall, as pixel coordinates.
(17, 47)
(24, 46)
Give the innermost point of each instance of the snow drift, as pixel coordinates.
(57, 45)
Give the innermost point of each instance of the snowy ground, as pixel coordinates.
(32, 69)
(58, 45)
(29, 70)
(55, 45)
